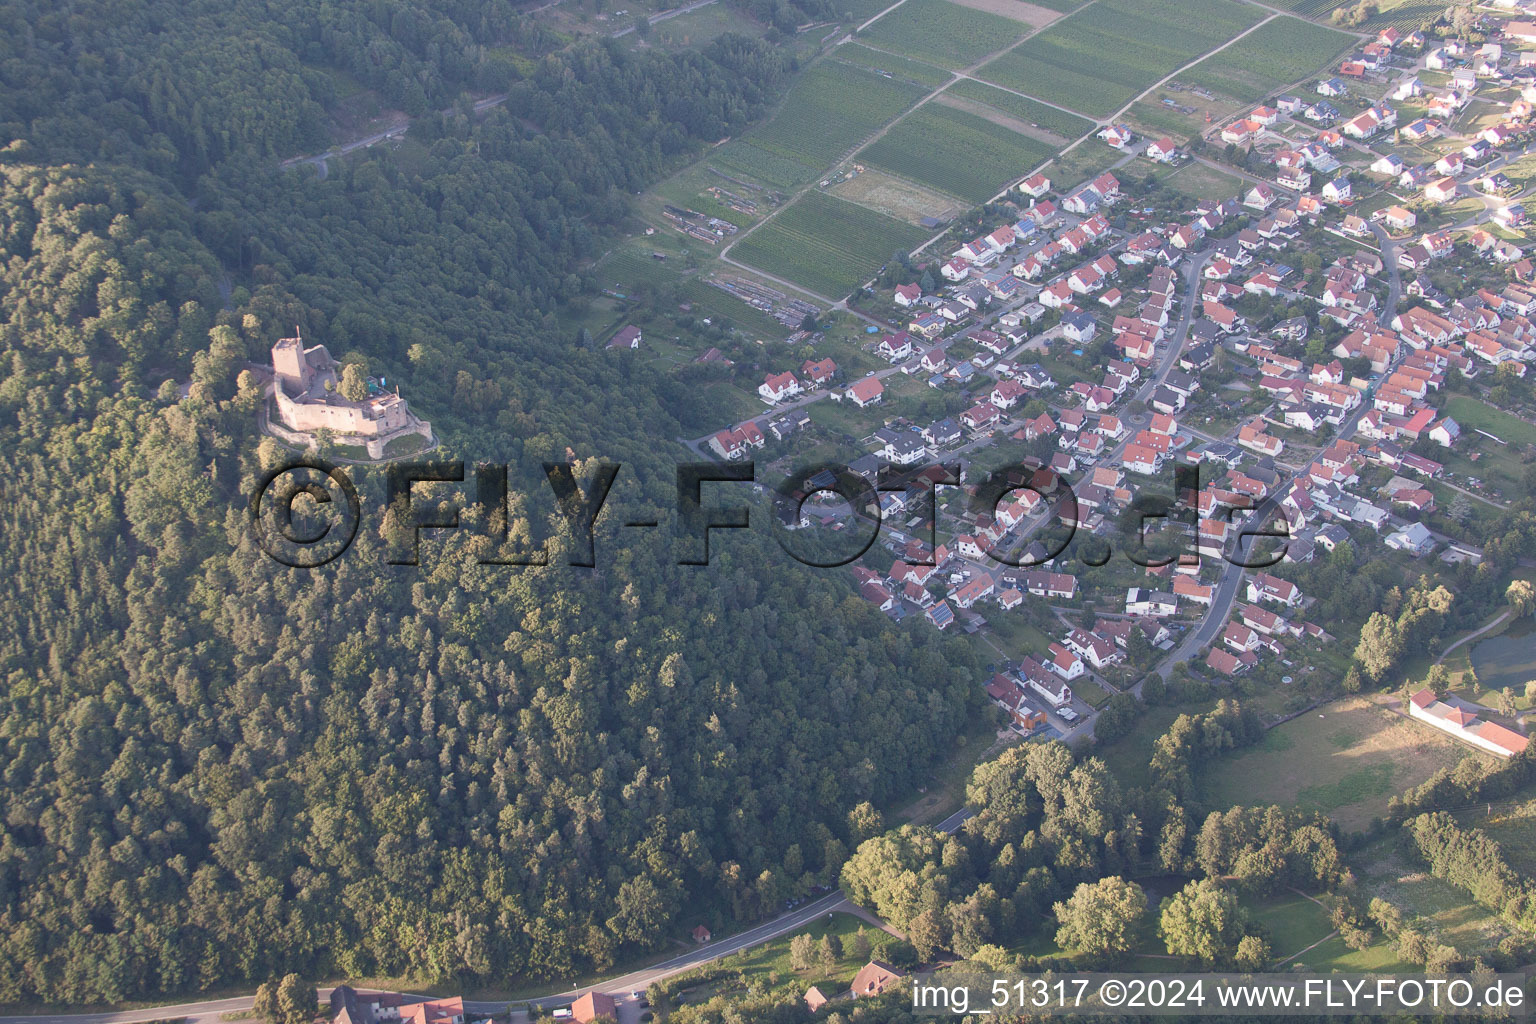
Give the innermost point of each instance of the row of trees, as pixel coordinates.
(1202, 924)
(1468, 859)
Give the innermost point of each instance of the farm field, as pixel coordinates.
(896, 198)
(745, 158)
(1307, 8)
(825, 244)
(1345, 759)
(955, 152)
(944, 33)
(830, 110)
(1070, 63)
(1406, 15)
(1036, 15)
(884, 64)
(1270, 57)
(859, 11)
(1058, 122)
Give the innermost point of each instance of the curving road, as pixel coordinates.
(209, 1011)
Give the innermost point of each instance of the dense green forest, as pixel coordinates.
(217, 769)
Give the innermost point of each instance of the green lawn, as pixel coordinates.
(1016, 634)
(944, 33)
(955, 152)
(1129, 756)
(1292, 921)
(768, 965)
(1096, 60)
(1090, 691)
(1198, 181)
(1070, 169)
(1473, 414)
(825, 244)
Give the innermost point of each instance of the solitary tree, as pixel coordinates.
(1507, 702)
(1379, 647)
(1202, 921)
(354, 383)
(859, 945)
(928, 934)
(296, 1002)
(802, 952)
(265, 1005)
(1252, 953)
(1521, 596)
(1101, 917)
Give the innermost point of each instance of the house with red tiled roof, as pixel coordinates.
(980, 416)
(817, 371)
(971, 591)
(592, 1005)
(1240, 637)
(1461, 721)
(865, 392)
(1187, 589)
(779, 386)
(874, 978)
(1162, 151)
(1264, 587)
(1223, 317)
(1036, 185)
(1229, 664)
(1064, 662)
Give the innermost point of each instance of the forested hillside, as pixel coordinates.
(217, 769)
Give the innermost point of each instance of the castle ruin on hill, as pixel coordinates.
(306, 398)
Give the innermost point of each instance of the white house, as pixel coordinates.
(778, 387)
(1139, 601)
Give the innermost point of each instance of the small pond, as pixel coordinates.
(1508, 659)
